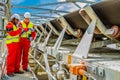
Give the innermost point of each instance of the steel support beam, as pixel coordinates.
(64, 23)
(82, 1)
(83, 48)
(52, 27)
(41, 16)
(90, 12)
(38, 8)
(43, 29)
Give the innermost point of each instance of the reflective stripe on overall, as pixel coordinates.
(26, 34)
(11, 39)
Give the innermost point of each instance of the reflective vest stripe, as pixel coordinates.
(26, 34)
(11, 39)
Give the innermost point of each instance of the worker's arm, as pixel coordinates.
(33, 33)
(10, 30)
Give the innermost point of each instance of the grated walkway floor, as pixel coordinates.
(25, 76)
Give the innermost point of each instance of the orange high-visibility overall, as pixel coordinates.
(13, 46)
(25, 42)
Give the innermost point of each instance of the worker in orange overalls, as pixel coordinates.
(12, 41)
(26, 37)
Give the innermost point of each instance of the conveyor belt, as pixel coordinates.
(56, 24)
(108, 11)
(76, 21)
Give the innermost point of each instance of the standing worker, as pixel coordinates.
(26, 37)
(12, 41)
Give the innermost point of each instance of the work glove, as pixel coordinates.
(19, 25)
(22, 31)
(30, 38)
(31, 29)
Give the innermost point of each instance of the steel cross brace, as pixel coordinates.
(84, 45)
(33, 43)
(4, 63)
(42, 47)
(53, 51)
(37, 44)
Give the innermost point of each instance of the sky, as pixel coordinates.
(35, 2)
(32, 2)
(69, 7)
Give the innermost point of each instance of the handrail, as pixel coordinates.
(43, 67)
(5, 7)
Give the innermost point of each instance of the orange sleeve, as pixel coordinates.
(14, 33)
(33, 34)
(10, 30)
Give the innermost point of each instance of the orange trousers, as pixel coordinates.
(24, 48)
(13, 57)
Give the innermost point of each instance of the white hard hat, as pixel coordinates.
(27, 15)
(16, 16)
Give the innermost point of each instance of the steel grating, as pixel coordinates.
(25, 76)
(18, 78)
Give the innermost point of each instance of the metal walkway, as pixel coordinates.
(25, 76)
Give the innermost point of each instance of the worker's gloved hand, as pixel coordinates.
(30, 38)
(31, 29)
(22, 31)
(19, 25)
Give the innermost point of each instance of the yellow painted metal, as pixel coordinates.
(84, 78)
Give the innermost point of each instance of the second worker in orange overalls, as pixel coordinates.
(26, 37)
